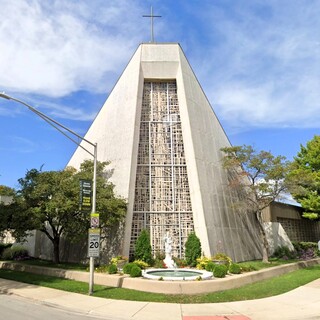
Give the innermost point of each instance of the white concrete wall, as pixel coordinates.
(116, 130)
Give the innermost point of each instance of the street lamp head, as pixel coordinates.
(5, 96)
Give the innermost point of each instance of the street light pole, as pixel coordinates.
(60, 127)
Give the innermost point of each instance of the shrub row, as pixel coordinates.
(15, 252)
(302, 250)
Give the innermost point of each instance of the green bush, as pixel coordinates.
(101, 268)
(220, 271)
(210, 266)
(135, 271)
(181, 263)
(306, 250)
(202, 262)
(193, 249)
(234, 268)
(112, 269)
(141, 264)
(158, 263)
(4, 246)
(285, 253)
(15, 253)
(127, 267)
(143, 249)
(247, 267)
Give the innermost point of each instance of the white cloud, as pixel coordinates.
(58, 47)
(258, 61)
(264, 71)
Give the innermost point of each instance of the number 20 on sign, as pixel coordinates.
(94, 243)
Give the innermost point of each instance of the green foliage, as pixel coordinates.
(258, 178)
(304, 178)
(210, 266)
(101, 269)
(127, 267)
(49, 201)
(202, 263)
(284, 252)
(222, 258)
(180, 263)
(264, 172)
(193, 249)
(141, 264)
(15, 253)
(112, 269)
(4, 246)
(158, 264)
(135, 271)
(306, 250)
(261, 289)
(248, 267)
(220, 271)
(143, 249)
(6, 191)
(234, 268)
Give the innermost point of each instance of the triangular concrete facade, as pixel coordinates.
(117, 130)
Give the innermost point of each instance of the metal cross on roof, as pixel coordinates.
(151, 16)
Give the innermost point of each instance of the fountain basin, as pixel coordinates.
(176, 274)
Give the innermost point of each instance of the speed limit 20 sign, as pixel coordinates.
(94, 243)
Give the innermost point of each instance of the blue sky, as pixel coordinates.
(258, 62)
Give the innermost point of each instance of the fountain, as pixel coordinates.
(172, 272)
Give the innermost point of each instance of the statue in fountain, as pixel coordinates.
(168, 251)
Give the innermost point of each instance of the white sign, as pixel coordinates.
(94, 243)
(94, 218)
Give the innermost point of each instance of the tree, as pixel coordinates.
(143, 250)
(258, 179)
(49, 201)
(6, 191)
(304, 178)
(193, 249)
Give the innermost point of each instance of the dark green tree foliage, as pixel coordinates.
(257, 179)
(4, 217)
(49, 201)
(143, 249)
(304, 178)
(6, 191)
(193, 249)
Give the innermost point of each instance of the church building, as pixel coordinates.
(163, 141)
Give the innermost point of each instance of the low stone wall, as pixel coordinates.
(167, 287)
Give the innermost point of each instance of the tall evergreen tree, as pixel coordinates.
(193, 249)
(143, 249)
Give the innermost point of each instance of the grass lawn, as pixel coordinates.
(50, 264)
(257, 290)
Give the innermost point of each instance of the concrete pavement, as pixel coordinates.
(301, 303)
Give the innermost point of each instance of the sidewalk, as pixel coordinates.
(301, 303)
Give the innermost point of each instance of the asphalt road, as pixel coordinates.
(16, 308)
